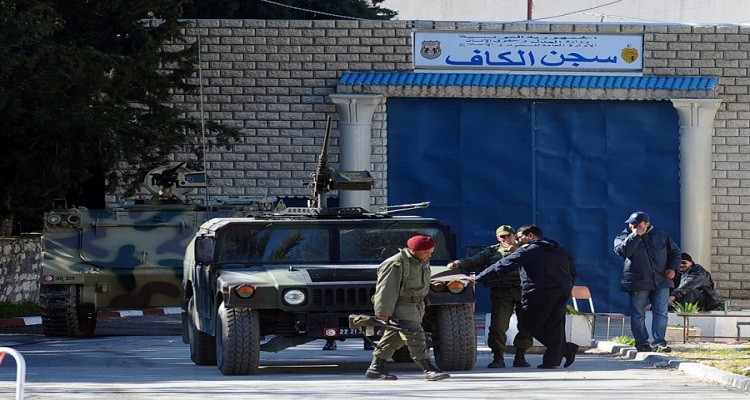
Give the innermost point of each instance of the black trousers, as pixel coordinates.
(543, 317)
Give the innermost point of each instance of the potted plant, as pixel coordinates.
(675, 332)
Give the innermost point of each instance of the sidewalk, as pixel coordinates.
(36, 320)
(600, 344)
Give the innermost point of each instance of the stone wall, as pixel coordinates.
(272, 78)
(20, 268)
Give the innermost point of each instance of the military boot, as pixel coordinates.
(431, 372)
(520, 359)
(376, 370)
(497, 360)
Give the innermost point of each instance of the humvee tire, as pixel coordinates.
(456, 344)
(202, 345)
(237, 341)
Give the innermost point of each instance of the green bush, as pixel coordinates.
(24, 308)
(627, 340)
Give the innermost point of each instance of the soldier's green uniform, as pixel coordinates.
(505, 294)
(401, 293)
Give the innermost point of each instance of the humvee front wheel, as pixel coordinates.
(456, 345)
(237, 341)
(202, 345)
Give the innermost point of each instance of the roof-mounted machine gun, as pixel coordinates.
(172, 183)
(325, 179)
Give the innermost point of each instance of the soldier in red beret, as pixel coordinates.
(401, 292)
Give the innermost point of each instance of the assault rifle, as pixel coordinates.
(363, 322)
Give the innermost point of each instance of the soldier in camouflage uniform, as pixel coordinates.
(401, 293)
(505, 293)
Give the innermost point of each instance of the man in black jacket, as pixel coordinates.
(505, 293)
(548, 273)
(695, 286)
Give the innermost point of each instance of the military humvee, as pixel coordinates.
(274, 281)
(126, 257)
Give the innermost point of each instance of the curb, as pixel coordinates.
(659, 360)
(37, 320)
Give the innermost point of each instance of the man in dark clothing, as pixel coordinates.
(505, 294)
(650, 259)
(695, 286)
(548, 273)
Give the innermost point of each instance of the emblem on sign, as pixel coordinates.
(430, 49)
(629, 54)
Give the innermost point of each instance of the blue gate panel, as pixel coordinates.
(575, 168)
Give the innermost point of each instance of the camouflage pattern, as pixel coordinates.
(123, 258)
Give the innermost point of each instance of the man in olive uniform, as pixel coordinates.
(401, 293)
(505, 294)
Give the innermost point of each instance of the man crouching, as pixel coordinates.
(401, 290)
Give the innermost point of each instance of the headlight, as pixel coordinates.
(456, 286)
(244, 291)
(294, 297)
(53, 219)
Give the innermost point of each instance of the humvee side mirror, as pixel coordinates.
(204, 250)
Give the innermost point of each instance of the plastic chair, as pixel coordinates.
(583, 293)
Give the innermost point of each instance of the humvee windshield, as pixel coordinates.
(270, 242)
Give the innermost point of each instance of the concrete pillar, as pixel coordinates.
(355, 146)
(696, 130)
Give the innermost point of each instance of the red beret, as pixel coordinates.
(420, 242)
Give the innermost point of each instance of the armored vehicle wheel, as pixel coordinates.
(456, 344)
(237, 341)
(202, 345)
(402, 355)
(61, 316)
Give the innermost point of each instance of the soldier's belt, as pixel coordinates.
(410, 299)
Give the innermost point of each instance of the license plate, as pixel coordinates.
(341, 332)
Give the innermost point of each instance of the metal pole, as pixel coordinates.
(529, 9)
(20, 369)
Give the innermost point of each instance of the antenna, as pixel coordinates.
(203, 119)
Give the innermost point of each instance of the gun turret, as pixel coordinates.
(325, 179)
(169, 184)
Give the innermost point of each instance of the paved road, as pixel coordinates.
(149, 361)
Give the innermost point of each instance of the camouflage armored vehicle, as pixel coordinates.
(126, 257)
(274, 281)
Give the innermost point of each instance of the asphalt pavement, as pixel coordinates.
(149, 361)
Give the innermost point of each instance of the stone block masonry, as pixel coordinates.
(20, 268)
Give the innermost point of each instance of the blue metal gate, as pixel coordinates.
(575, 168)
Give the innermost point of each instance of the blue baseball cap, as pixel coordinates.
(637, 217)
